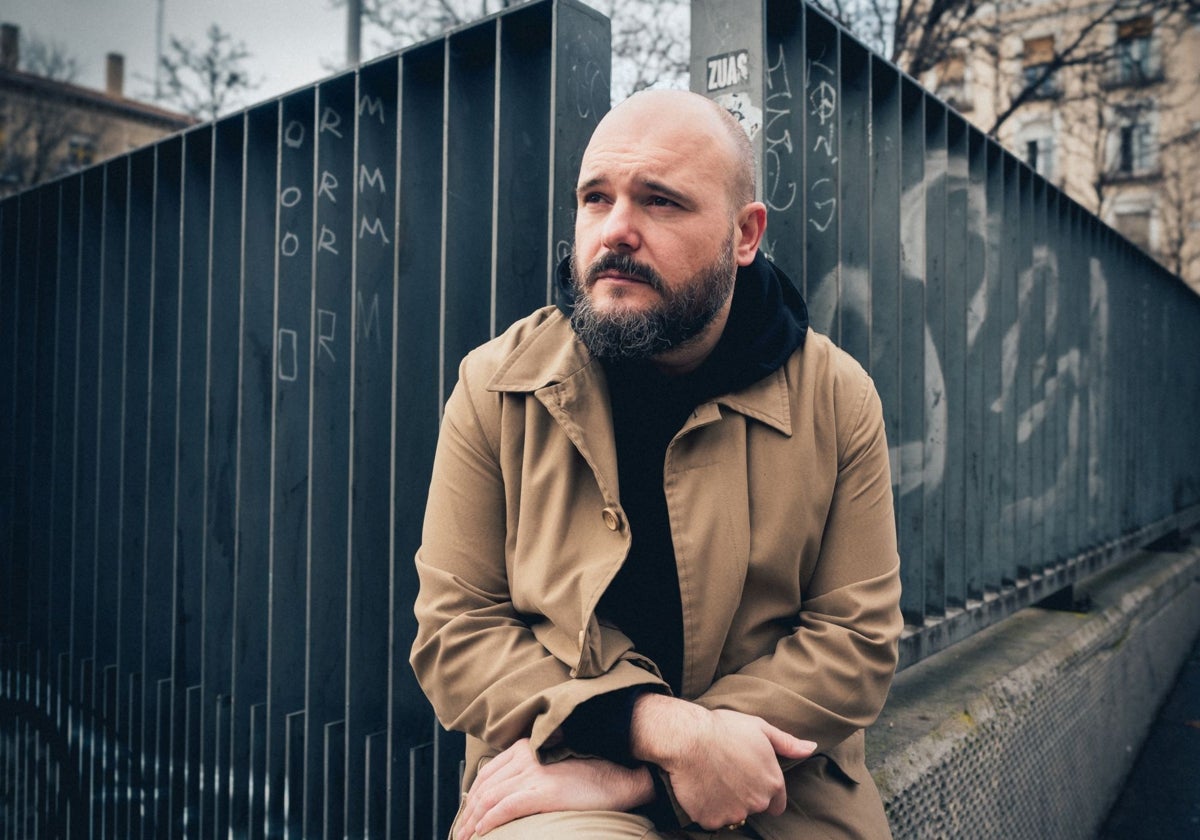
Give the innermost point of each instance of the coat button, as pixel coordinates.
(612, 519)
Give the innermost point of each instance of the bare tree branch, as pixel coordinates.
(206, 83)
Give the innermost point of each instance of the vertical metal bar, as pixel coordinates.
(295, 340)
(191, 455)
(374, 786)
(936, 358)
(885, 265)
(257, 371)
(41, 595)
(1026, 356)
(224, 350)
(580, 43)
(139, 277)
(974, 361)
(416, 384)
(329, 441)
(522, 169)
(954, 357)
(854, 201)
(783, 139)
(729, 64)
(1055, 388)
(1041, 456)
(467, 159)
(333, 796)
(290, 822)
(25, 336)
(1088, 302)
(1009, 360)
(9, 365)
(910, 505)
(87, 475)
(372, 347)
(110, 458)
(65, 394)
(160, 474)
(992, 338)
(822, 187)
(63, 456)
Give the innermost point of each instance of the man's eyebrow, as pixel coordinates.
(671, 193)
(584, 186)
(649, 184)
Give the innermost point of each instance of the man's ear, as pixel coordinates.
(751, 224)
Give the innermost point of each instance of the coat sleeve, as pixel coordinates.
(830, 676)
(475, 655)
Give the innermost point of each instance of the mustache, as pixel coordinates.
(627, 265)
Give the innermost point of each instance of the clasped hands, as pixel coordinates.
(723, 765)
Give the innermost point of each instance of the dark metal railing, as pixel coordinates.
(223, 362)
(1038, 373)
(224, 356)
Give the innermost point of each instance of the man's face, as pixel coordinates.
(682, 311)
(654, 234)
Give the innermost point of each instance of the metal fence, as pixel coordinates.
(224, 358)
(223, 362)
(1040, 376)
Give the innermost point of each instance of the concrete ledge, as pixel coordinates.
(1028, 728)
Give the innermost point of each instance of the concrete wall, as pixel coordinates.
(1027, 729)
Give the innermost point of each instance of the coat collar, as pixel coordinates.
(552, 354)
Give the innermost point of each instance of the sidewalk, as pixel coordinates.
(1161, 797)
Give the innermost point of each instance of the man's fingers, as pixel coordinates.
(788, 746)
(500, 761)
(516, 804)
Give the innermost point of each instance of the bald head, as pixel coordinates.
(691, 113)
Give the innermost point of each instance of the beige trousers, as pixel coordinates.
(597, 825)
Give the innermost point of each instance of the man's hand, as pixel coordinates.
(724, 765)
(514, 785)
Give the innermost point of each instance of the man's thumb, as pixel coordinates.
(789, 746)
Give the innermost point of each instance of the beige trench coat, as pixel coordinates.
(780, 507)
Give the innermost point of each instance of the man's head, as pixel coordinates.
(665, 215)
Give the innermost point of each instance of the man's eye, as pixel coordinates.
(592, 198)
(662, 201)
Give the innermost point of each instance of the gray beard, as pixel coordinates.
(681, 315)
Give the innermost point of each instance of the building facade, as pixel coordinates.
(50, 127)
(1100, 98)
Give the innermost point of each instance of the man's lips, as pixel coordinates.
(619, 278)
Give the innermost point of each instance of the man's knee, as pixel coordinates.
(578, 825)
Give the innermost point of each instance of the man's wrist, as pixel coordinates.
(661, 728)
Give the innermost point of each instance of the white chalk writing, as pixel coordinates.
(329, 183)
(330, 120)
(374, 228)
(326, 330)
(285, 351)
(778, 194)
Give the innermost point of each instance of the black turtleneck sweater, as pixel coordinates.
(767, 323)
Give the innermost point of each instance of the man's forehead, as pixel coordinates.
(645, 158)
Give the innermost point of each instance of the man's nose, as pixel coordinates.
(621, 232)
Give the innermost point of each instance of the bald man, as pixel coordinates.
(659, 586)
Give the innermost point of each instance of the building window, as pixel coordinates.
(1134, 57)
(1134, 225)
(1036, 142)
(1036, 71)
(1136, 149)
(1039, 154)
(81, 152)
(1133, 144)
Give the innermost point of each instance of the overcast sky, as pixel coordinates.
(293, 42)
